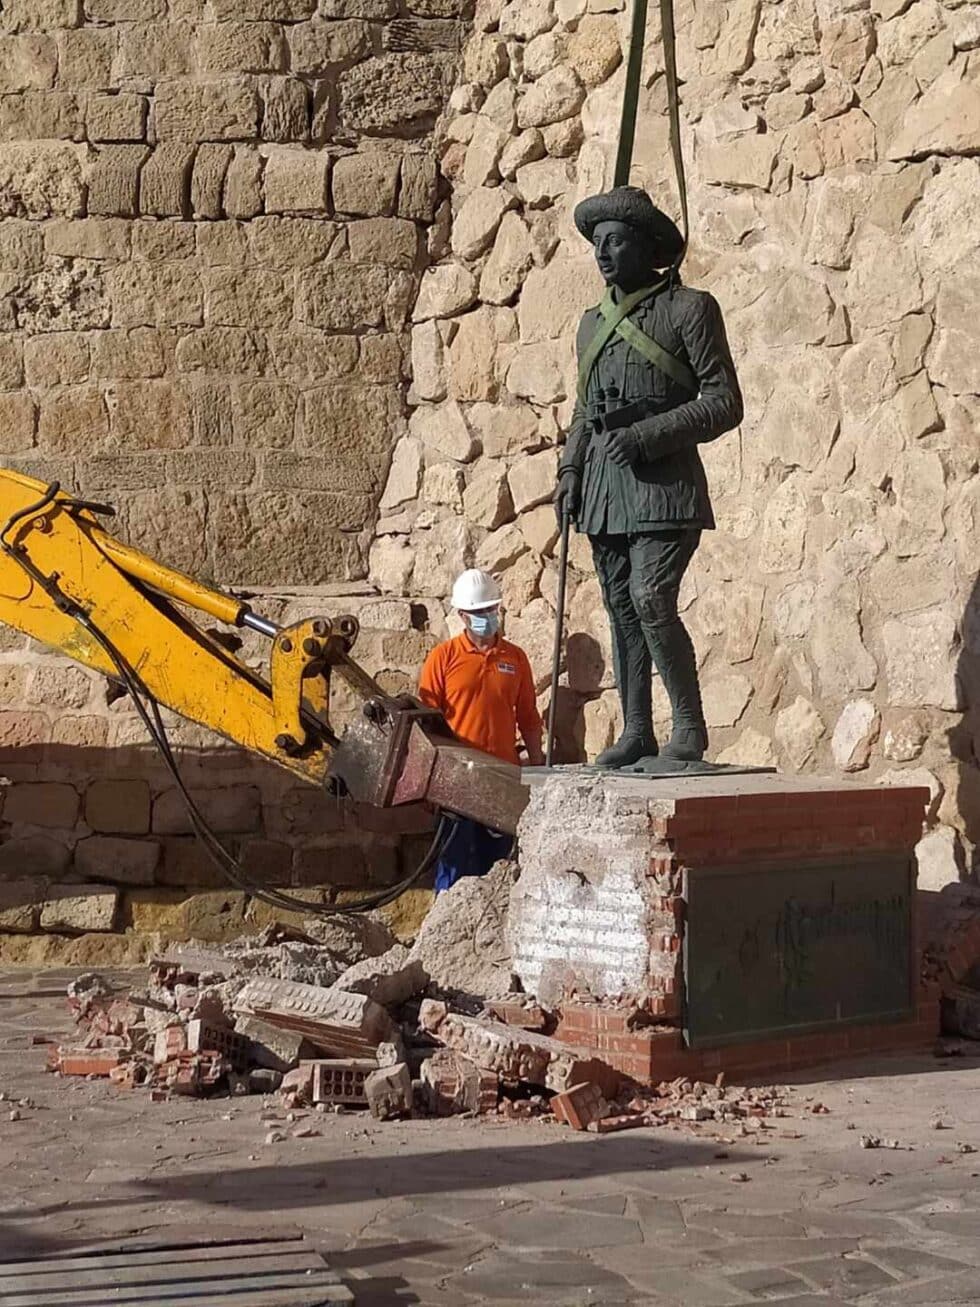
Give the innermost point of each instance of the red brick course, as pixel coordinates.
(652, 1055)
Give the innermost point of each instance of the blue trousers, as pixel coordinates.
(472, 850)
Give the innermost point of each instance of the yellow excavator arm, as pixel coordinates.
(68, 583)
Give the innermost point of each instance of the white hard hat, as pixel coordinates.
(475, 590)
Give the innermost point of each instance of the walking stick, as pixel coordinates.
(566, 522)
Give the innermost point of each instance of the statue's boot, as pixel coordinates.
(631, 663)
(673, 655)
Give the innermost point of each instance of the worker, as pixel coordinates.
(482, 685)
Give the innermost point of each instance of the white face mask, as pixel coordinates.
(483, 624)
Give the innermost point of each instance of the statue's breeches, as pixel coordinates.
(641, 576)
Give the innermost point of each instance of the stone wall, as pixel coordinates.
(213, 217)
(220, 220)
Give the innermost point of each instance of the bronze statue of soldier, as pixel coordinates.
(656, 380)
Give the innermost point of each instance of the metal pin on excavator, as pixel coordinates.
(68, 583)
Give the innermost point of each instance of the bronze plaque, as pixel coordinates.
(777, 950)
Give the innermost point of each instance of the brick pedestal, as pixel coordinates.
(740, 922)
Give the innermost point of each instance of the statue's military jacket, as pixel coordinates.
(666, 489)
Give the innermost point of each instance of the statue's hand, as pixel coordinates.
(568, 494)
(623, 447)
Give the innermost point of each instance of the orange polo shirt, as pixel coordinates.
(484, 695)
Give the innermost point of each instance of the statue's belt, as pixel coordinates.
(616, 322)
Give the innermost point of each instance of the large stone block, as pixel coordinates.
(365, 183)
(39, 15)
(42, 116)
(236, 47)
(396, 94)
(123, 862)
(285, 109)
(243, 184)
(113, 182)
(20, 904)
(229, 810)
(338, 297)
(152, 51)
(921, 660)
(18, 415)
(165, 181)
(216, 111)
(148, 415)
(296, 181)
(207, 179)
(418, 190)
(118, 807)
(27, 63)
(262, 299)
(444, 291)
(317, 47)
(80, 908)
(60, 359)
(41, 803)
(60, 686)
(265, 414)
(392, 241)
(85, 58)
(42, 180)
(479, 216)
(73, 421)
(116, 118)
(164, 294)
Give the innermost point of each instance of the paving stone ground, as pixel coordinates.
(454, 1213)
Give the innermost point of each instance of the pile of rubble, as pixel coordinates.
(342, 1016)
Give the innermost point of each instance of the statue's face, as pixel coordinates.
(624, 256)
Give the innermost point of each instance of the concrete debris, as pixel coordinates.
(432, 1014)
(452, 1084)
(272, 1047)
(390, 979)
(461, 943)
(438, 1030)
(388, 1092)
(351, 939)
(335, 1021)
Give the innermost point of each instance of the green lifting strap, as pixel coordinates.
(656, 354)
(631, 96)
(612, 314)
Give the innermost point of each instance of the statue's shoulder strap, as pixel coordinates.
(615, 321)
(612, 314)
(655, 353)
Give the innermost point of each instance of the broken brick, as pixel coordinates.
(169, 1043)
(610, 1124)
(526, 1015)
(388, 1092)
(580, 1106)
(299, 1082)
(86, 1062)
(131, 1075)
(204, 1037)
(432, 1013)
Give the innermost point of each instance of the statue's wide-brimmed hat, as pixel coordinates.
(633, 206)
